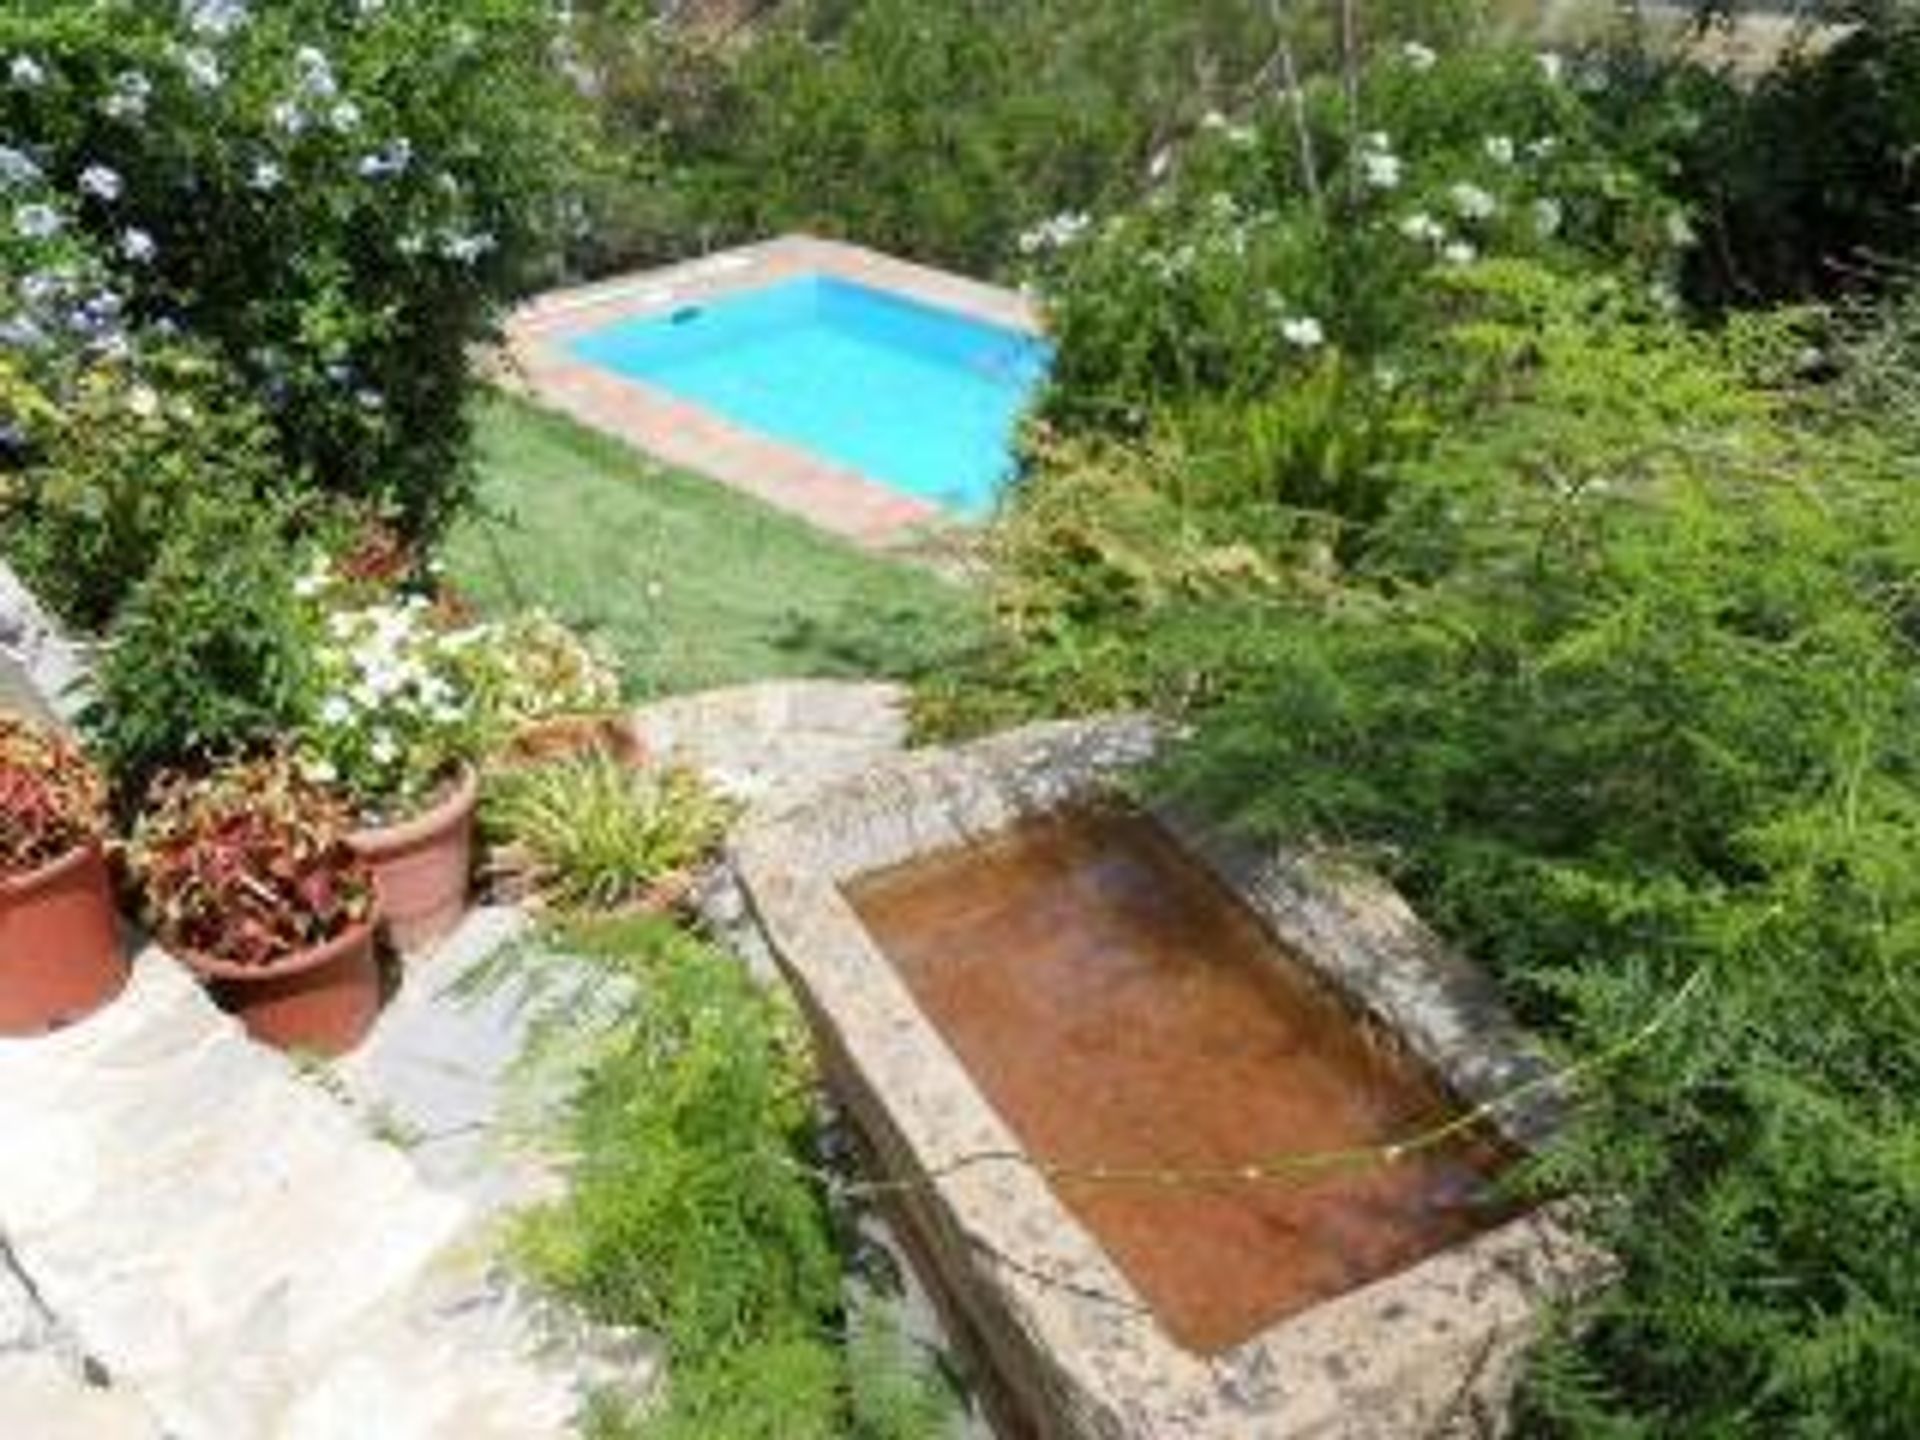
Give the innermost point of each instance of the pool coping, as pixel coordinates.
(1436, 1343)
(834, 497)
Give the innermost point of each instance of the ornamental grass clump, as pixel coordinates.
(52, 799)
(588, 832)
(248, 866)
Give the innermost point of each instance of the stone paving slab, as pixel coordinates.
(771, 744)
(228, 1245)
(41, 1400)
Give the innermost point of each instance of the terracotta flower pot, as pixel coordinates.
(422, 868)
(324, 999)
(60, 954)
(564, 736)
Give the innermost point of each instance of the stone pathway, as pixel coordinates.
(230, 1250)
(200, 1239)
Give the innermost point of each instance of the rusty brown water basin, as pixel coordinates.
(997, 984)
(1119, 1007)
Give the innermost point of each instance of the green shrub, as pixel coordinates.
(334, 197)
(1623, 690)
(693, 1210)
(938, 129)
(213, 654)
(1801, 179)
(1282, 237)
(108, 461)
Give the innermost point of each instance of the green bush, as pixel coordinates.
(212, 656)
(1620, 685)
(1277, 239)
(938, 129)
(1801, 179)
(693, 1210)
(106, 463)
(334, 197)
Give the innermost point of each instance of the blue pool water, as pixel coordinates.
(921, 399)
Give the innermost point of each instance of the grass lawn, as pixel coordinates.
(693, 584)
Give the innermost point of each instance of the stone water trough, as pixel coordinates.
(1143, 1086)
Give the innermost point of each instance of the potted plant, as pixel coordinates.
(585, 832)
(396, 733)
(60, 957)
(549, 693)
(248, 879)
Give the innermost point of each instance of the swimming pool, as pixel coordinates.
(921, 399)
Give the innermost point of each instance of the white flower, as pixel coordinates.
(345, 116)
(100, 182)
(1058, 232)
(316, 73)
(1679, 231)
(287, 117)
(143, 402)
(1472, 202)
(1420, 57)
(1423, 227)
(128, 101)
(383, 749)
(1459, 252)
(1303, 332)
(1213, 120)
(1547, 217)
(1499, 149)
(1380, 169)
(216, 19)
(17, 168)
(26, 73)
(1544, 147)
(137, 246)
(266, 176)
(336, 710)
(466, 248)
(37, 222)
(391, 161)
(1551, 65)
(202, 68)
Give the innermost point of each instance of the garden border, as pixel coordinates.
(834, 497)
(1435, 1345)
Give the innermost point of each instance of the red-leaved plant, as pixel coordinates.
(249, 866)
(52, 799)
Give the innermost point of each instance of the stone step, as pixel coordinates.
(41, 1398)
(225, 1239)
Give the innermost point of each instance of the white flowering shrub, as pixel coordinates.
(1278, 240)
(335, 196)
